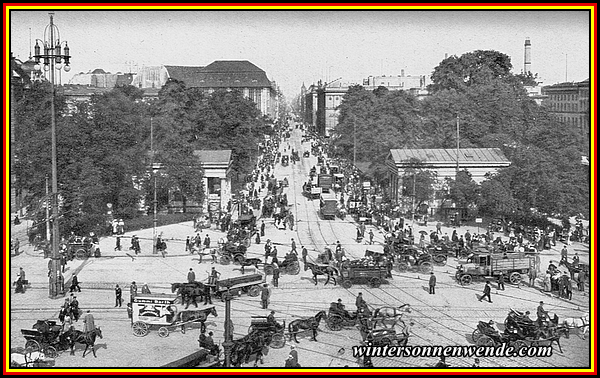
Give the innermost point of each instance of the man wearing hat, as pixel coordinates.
(487, 290)
(542, 315)
(132, 291)
(476, 363)
(294, 354)
(191, 276)
(432, 281)
(264, 296)
(271, 320)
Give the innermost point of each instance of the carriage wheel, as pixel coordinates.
(334, 323)
(426, 267)
(239, 259)
(466, 279)
(346, 284)
(163, 332)
(293, 268)
(375, 282)
(51, 351)
(402, 267)
(80, 254)
(254, 291)
(440, 259)
(268, 270)
(515, 278)
(278, 341)
(225, 260)
(476, 335)
(519, 344)
(485, 341)
(140, 329)
(32, 346)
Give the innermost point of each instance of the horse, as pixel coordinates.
(243, 348)
(572, 268)
(250, 262)
(383, 313)
(27, 359)
(87, 338)
(311, 323)
(582, 324)
(317, 270)
(188, 291)
(555, 334)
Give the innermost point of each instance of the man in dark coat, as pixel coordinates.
(487, 290)
(262, 228)
(501, 281)
(118, 296)
(432, 281)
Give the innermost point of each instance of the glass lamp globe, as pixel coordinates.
(37, 67)
(46, 67)
(58, 66)
(67, 68)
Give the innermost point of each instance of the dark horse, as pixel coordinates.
(250, 262)
(243, 348)
(189, 292)
(318, 270)
(311, 323)
(87, 338)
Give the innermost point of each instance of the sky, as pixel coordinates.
(296, 47)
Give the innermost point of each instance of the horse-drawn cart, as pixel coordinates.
(45, 337)
(249, 283)
(373, 274)
(159, 311)
(274, 334)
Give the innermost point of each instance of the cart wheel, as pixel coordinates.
(254, 291)
(519, 344)
(375, 282)
(466, 279)
(476, 335)
(268, 270)
(346, 284)
(239, 259)
(225, 260)
(32, 346)
(293, 268)
(278, 341)
(140, 329)
(440, 259)
(426, 267)
(402, 267)
(515, 278)
(485, 341)
(163, 332)
(80, 254)
(334, 323)
(51, 352)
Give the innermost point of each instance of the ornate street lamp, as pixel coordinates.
(53, 59)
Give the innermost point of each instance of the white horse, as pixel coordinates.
(28, 359)
(582, 324)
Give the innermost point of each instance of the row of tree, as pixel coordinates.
(103, 146)
(495, 112)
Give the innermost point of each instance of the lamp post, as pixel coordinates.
(53, 59)
(155, 202)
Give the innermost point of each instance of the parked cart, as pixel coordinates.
(372, 274)
(249, 283)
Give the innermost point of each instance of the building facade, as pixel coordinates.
(478, 161)
(570, 103)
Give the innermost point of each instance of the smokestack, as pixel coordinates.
(527, 61)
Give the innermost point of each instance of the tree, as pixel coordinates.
(464, 191)
(418, 182)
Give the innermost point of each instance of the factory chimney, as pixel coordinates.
(527, 61)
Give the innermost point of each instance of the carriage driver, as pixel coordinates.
(342, 309)
(271, 320)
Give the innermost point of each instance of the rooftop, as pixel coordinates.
(213, 156)
(433, 156)
(221, 74)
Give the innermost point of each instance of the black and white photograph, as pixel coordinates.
(287, 187)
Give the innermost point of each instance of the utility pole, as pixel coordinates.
(155, 202)
(457, 144)
(47, 211)
(228, 343)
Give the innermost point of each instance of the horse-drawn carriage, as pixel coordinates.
(232, 251)
(363, 272)
(273, 332)
(338, 318)
(82, 248)
(45, 336)
(384, 336)
(160, 311)
(288, 265)
(411, 258)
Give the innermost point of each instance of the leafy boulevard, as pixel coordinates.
(546, 175)
(104, 145)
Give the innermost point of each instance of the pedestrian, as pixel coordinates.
(576, 259)
(22, 275)
(361, 304)
(74, 284)
(487, 290)
(304, 254)
(132, 291)
(207, 294)
(67, 322)
(145, 289)
(16, 246)
(262, 228)
(422, 242)
(275, 274)
(74, 308)
(293, 245)
(442, 362)
(532, 277)
(207, 241)
(501, 281)
(213, 255)
(121, 227)
(564, 253)
(289, 363)
(264, 296)
(294, 354)
(188, 245)
(358, 238)
(118, 244)
(438, 227)
(432, 281)
(118, 296)
(581, 280)
(214, 277)
(569, 288)
(88, 322)
(191, 276)
(371, 236)
(542, 314)
(476, 363)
